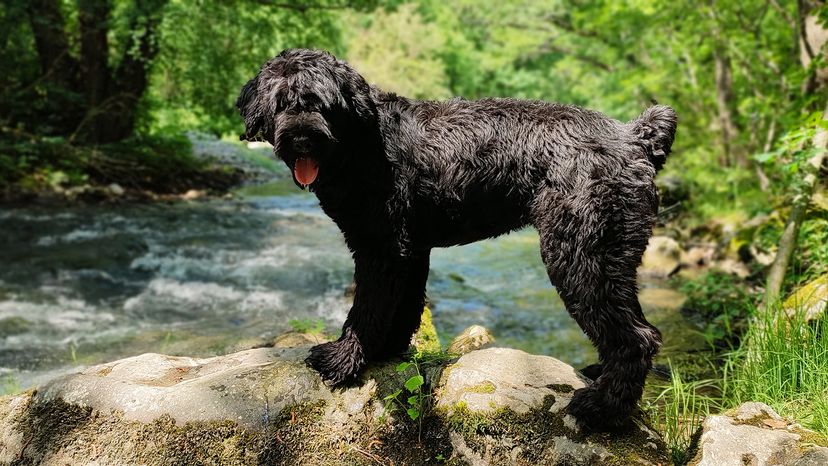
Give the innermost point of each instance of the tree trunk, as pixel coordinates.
(93, 16)
(812, 37)
(113, 99)
(55, 103)
(48, 28)
(725, 102)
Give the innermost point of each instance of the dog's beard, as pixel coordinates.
(305, 170)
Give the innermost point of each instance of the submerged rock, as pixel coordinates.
(754, 434)
(264, 406)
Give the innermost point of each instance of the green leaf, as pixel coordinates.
(414, 400)
(393, 395)
(403, 366)
(766, 157)
(414, 383)
(413, 413)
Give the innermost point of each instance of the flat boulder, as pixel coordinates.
(264, 406)
(754, 434)
(505, 406)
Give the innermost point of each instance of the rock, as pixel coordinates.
(294, 339)
(474, 337)
(494, 378)
(820, 199)
(810, 300)
(698, 256)
(116, 189)
(259, 145)
(661, 258)
(505, 406)
(265, 406)
(754, 434)
(146, 387)
(193, 194)
(732, 267)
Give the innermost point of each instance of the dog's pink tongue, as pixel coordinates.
(305, 170)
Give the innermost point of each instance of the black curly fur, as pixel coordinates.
(401, 176)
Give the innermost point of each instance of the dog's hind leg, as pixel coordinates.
(382, 283)
(592, 247)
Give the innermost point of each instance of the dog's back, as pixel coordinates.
(478, 165)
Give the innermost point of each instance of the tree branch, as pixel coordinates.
(549, 47)
(784, 14)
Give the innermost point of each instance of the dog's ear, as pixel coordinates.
(250, 108)
(357, 94)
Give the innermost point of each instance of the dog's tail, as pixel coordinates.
(656, 129)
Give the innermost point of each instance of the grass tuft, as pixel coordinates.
(783, 362)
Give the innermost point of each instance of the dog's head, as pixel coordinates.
(307, 103)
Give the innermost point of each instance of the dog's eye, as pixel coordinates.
(309, 99)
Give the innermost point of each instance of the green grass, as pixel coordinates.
(783, 361)
(780, 360)
(679, 410)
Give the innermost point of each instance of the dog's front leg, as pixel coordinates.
(381, 282)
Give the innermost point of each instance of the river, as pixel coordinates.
(87, 284)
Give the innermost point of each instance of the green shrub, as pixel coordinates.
(722, 302)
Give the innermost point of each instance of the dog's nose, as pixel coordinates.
(301, 144)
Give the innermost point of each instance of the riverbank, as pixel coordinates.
(48, 171)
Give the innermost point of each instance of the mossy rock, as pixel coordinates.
(810, 300)
(755, 434)
(505, 406)
(265, 406)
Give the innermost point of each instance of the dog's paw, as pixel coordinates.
(594, 411)
(337, 361)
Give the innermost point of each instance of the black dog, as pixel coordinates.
(400, 177)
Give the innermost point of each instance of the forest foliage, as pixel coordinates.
(99, 70)
(747, 78)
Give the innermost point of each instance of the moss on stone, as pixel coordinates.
(483, 387)
(498, 432)
(426, 339)
(811, 437)
(561, 388)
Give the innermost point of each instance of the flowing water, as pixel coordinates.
(87, 284)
